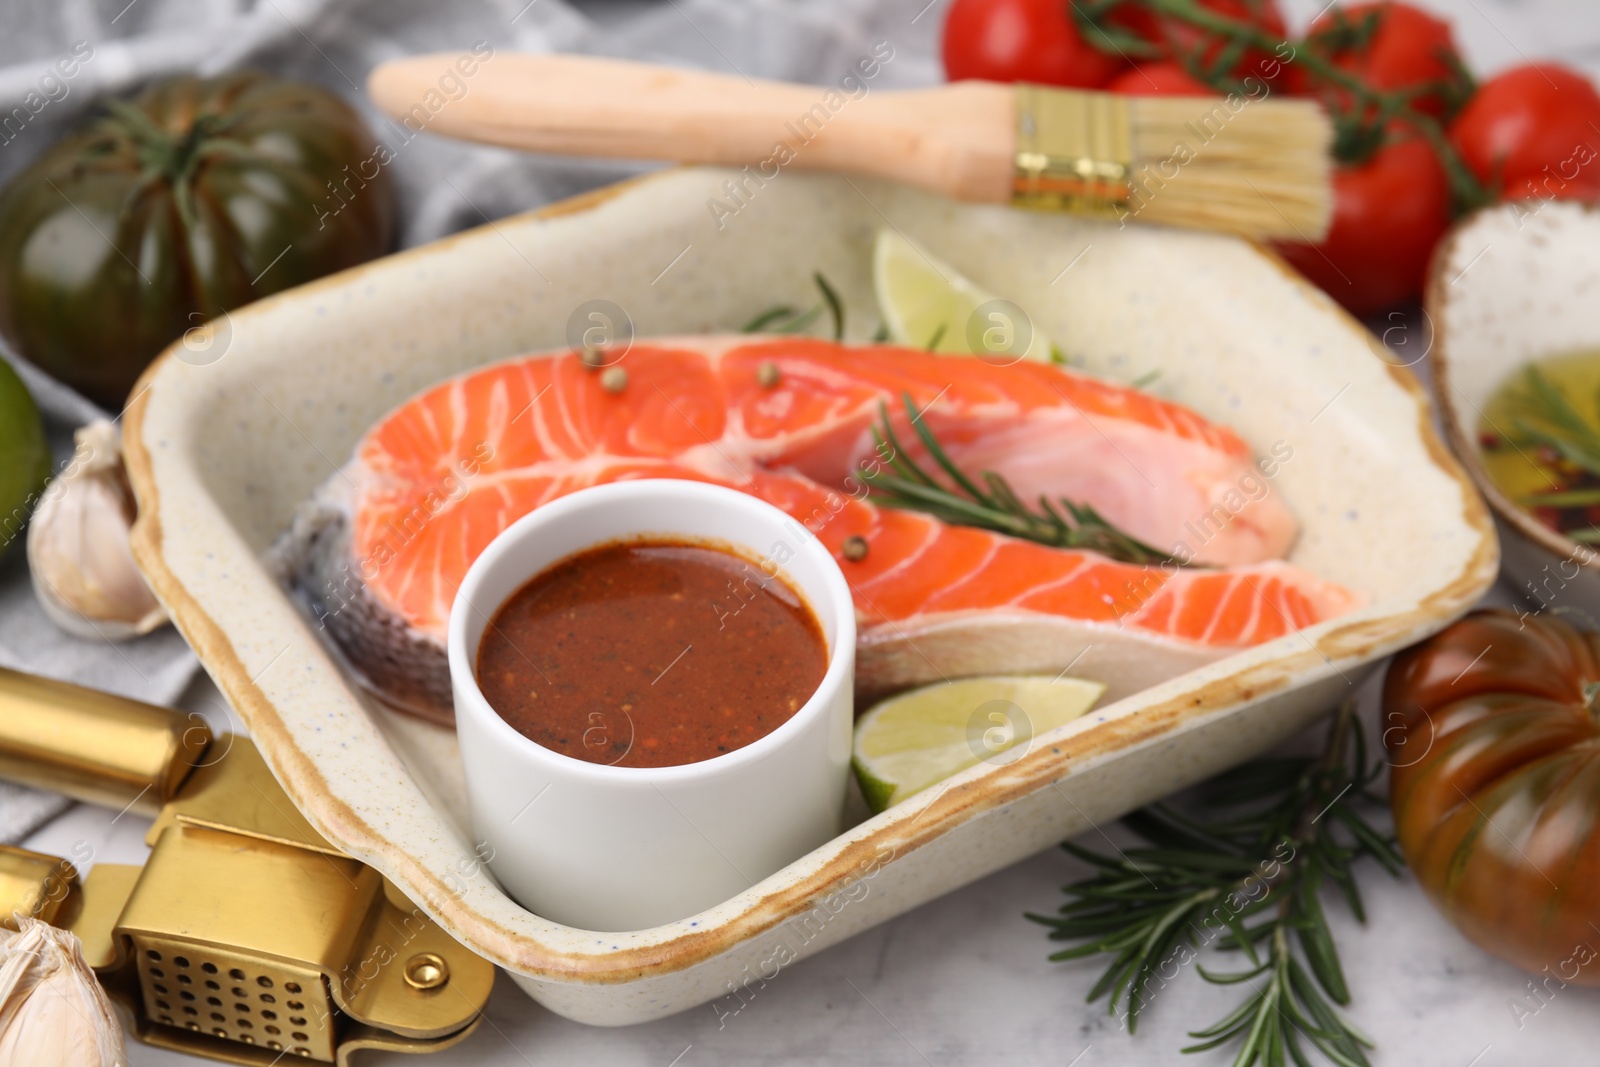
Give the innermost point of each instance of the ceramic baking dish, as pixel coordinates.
(226, 440)
(1509, 285)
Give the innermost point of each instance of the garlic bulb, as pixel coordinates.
(52, 1009)
(78, 553)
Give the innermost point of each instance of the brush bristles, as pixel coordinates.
(1256, 167)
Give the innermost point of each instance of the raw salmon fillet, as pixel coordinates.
(380, 552)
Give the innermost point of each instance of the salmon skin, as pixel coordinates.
(378, 554)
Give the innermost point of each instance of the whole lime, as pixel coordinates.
(24, 455)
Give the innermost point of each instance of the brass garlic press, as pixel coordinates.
(246, 936)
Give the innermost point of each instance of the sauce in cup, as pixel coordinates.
(636, 574)
(651, 653)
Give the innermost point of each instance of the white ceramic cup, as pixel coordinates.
(625, 848)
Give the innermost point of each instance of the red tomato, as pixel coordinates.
(1159, 79)
(1022, 40)
(1537, 130)
(1388, 214)
(1176, 37)
(1408, 48)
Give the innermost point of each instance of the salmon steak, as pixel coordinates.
(379, 552)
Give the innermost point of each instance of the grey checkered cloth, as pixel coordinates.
(46, 83)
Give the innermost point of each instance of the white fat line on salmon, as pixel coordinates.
(1222, 513)
(1134, 466)
(972, 574)
(695, 426)
(340, 589)
(1223, 606)
(798, 133)
(1295, 628)
(527, 378)
(1086, 561)
(855, 488)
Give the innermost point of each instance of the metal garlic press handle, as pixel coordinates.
(103, 749)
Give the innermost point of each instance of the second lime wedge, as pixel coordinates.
(928, 304)
(912, 741)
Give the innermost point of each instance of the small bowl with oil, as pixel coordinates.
(1514, 302)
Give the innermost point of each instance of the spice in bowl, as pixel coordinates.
(1539, 438)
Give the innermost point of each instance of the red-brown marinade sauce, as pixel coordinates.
(651, 653)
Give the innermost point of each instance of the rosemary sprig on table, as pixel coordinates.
(1247, 880)
(901, 483)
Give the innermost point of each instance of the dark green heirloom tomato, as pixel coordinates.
(1493, 729)
(196, 197)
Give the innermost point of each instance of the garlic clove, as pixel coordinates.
(52, 1008)
(78, 551)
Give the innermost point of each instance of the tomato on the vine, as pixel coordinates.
(1535, 132)
(1159, 79)
(1392, 47)
(1022, 40)
(1388, 213)
(1176, 38)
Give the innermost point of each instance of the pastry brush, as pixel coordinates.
(245, 937)
(1258, 167)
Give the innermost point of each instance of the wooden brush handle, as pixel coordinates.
(954, 139)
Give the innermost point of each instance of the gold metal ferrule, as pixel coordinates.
(1074, 151)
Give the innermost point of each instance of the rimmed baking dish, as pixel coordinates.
(222, 449)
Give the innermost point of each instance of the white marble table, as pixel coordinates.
(965, 979)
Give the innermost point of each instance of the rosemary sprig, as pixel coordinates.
(786, 319)
(902, 483)
(1543, 416)
(1546, 417)
(1247, 880)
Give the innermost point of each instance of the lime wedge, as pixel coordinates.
(928, 304)
(912, 741)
